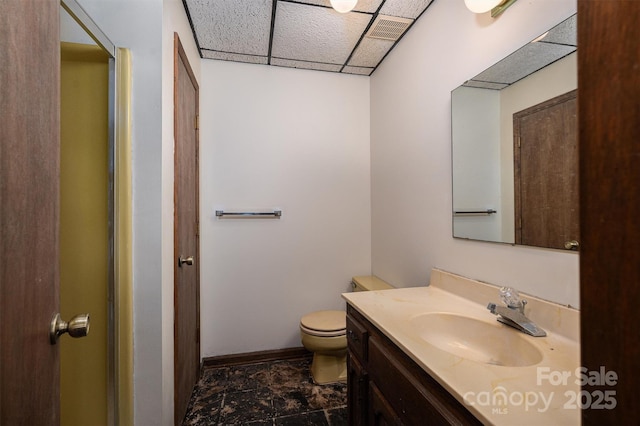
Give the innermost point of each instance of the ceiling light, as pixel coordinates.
(481, 6)
(495, 6)
(343, 6)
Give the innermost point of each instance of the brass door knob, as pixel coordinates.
(572, 245)
(182, 260)
(77, 327)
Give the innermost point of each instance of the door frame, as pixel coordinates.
(120, 275)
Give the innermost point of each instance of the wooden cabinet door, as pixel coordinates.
(381, 412)
(357, 391)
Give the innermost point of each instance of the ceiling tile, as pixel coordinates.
(369, 6)
(237, 26)
(316, 34)
(370, 52)
(224, 56)
(563, 33)
(306, 65)
(524, 61)
(405, 8)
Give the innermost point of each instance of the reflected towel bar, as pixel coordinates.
(474, 212)
(275, 213)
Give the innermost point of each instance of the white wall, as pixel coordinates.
(411, 152)
(279, 138)
(476, 165)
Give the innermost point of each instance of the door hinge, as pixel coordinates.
(197, 228)
(197, 122)
(518, 141)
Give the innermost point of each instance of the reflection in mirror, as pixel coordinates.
(514, 146)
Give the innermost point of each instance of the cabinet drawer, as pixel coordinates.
(357, 336)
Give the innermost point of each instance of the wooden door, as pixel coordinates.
(546, 173)
(609, 104)
(186, 239)
(29, 210)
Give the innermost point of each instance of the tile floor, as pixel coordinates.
(267, 393)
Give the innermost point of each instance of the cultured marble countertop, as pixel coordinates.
(545, 393)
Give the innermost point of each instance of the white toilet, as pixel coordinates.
(324, 333)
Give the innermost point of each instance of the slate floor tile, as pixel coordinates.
(267, 393)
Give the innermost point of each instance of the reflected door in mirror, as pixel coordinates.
(546, 173)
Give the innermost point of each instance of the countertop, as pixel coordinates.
(547, 392)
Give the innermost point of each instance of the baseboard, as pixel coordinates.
(254, 357)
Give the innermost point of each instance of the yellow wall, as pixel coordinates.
(84, 179)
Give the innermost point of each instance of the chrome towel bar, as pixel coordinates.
(474, 212)
(275, 213)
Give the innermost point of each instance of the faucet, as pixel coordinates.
(513, 314)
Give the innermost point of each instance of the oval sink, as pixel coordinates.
(476, 340)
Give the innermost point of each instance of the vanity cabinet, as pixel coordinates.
(386, 387)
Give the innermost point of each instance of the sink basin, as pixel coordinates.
(476, 340)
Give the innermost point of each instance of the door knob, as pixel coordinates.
(188, 261)
(77, 327)
(572, 245)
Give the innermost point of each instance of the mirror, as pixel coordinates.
(514, 146)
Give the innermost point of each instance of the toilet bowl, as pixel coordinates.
(324, 334)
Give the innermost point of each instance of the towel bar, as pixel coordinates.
(275, 213)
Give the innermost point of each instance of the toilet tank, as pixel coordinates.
(369, 283)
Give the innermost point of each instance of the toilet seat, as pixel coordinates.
(324, 323)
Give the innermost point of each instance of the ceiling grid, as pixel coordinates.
(306, 34)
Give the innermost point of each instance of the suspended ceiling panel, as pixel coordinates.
(555, 44)
(316, 34)
(232, 26)
(564, 33)
(523, 62)
(306, 34)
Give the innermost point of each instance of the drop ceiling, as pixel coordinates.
(555, 44)
(306, 34)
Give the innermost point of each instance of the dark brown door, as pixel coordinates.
(609, 104)
(187, 269)
(29, 190)
(546, 173)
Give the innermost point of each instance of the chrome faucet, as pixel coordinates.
(513, 314)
